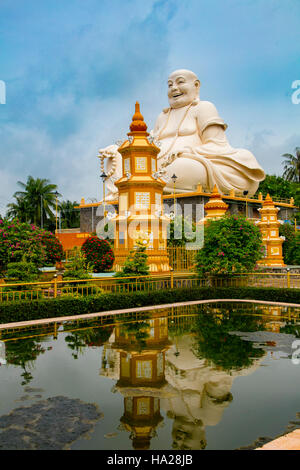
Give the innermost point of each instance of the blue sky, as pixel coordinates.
(74, 68)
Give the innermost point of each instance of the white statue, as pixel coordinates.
(194, 145)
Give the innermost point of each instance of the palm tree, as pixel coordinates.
(39, 199)
(292, 166)
(19, 209)
(69, 215)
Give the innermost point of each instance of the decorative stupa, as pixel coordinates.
(140, 190)
(215, 208)
(269, 227)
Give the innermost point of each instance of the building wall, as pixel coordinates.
(91, 216)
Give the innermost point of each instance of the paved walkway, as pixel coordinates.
(290, 441)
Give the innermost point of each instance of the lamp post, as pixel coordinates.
(42, 222)
(245, 194)
(174, 178)
(56, 197)
(103, 176)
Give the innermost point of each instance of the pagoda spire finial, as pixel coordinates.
(138, 124)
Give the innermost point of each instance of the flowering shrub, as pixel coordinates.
(20, 241)
(231, 244)
(53, 247)
(98, 253)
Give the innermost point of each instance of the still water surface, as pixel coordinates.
(215, 376)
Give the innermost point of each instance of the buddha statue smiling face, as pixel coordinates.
(183, 88)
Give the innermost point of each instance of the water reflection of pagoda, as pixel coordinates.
(141, 347)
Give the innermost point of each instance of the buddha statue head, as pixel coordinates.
(183, 88)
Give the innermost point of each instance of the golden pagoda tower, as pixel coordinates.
(140, 200)
(269, 227)
(215, 208)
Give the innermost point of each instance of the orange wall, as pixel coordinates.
(72, 239)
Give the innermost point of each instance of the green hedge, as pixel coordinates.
(48, 308)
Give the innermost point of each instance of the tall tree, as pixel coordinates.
(39, 199)
(70, 217)
(20, 209)
(291, 166)
(276, 186)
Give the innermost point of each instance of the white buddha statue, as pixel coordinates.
(194, 145)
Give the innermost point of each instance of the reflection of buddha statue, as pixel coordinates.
(194, 145)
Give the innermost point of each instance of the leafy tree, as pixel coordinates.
(180, 231)
(19, 210)
(135, 264)
(24, 242)
(293, 253)
(77, 267)
(291, 166)
(276, 186)
(70, 217)
(37, 195)
(287, 231)
(232, 244)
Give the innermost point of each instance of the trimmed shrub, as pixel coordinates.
(98, 253)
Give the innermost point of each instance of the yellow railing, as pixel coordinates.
(181, 259)
(59, 288)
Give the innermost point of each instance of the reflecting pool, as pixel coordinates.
(213, 376)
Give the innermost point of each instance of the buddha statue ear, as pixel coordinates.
(196, 100)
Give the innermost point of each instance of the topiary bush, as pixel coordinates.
(98, 253)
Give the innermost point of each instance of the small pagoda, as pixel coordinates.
(215, 208)
(269, 227)
(140, 189)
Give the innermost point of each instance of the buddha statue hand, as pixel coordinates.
(111, 151)
(170, 158)
(113, 168)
